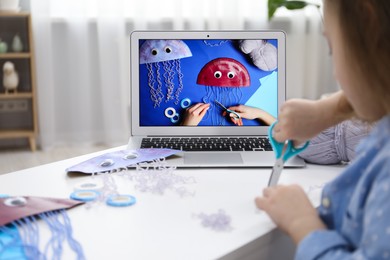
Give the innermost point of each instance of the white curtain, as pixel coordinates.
(82, 57)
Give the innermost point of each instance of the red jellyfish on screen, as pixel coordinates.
(166, 54)
(223, 78)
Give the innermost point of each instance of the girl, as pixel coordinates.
(353, 221)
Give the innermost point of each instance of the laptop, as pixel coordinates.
(210, 94)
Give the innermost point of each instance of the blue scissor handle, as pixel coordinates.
(235, 114)
(228, 111)
(278, 147)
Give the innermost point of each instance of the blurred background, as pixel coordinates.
(82, 57)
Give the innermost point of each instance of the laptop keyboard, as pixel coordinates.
(209, 144)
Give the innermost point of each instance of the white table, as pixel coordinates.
(164, 226)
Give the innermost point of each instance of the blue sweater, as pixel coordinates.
(356, 206)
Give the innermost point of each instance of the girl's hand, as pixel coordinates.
(291, 210)
(301, 120)
(194, 114)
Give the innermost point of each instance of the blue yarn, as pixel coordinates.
(60, 232)
(29, 233)
(25, 243)
(73, 243)
(57, 237)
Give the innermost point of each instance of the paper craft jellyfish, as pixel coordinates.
(166, 54)
(120, 160)
(20, 234)
(223, 78)
(263, 54)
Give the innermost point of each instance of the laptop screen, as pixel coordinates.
(208, 81)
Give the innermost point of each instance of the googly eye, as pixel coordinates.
(130, 156)
(15, 202)
(231, 74)
(106, 163)
(154, 52)
(168, 49)
(218, 74)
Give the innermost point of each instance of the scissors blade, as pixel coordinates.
(229, 112)
(219, 104)
(276, 172)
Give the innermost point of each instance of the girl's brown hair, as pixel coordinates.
(365, 25)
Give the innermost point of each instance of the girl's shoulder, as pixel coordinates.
(379, 137)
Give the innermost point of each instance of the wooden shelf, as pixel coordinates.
(15, 55)
(16, 95)
(23, 124)
(30, 134)
(16, 133)
(13, 14)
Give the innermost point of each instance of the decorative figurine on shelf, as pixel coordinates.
(10, 77)
(3, 46)
(17, 45)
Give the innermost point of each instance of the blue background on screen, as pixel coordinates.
(261, 93)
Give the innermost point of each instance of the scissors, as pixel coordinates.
(284, 151)
(229, 112)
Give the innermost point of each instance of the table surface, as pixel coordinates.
(165, 226)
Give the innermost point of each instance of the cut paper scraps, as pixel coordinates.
(219, 221)
(157, 178)
(19, 231)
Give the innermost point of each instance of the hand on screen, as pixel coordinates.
(251, 113)
(194, 114)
